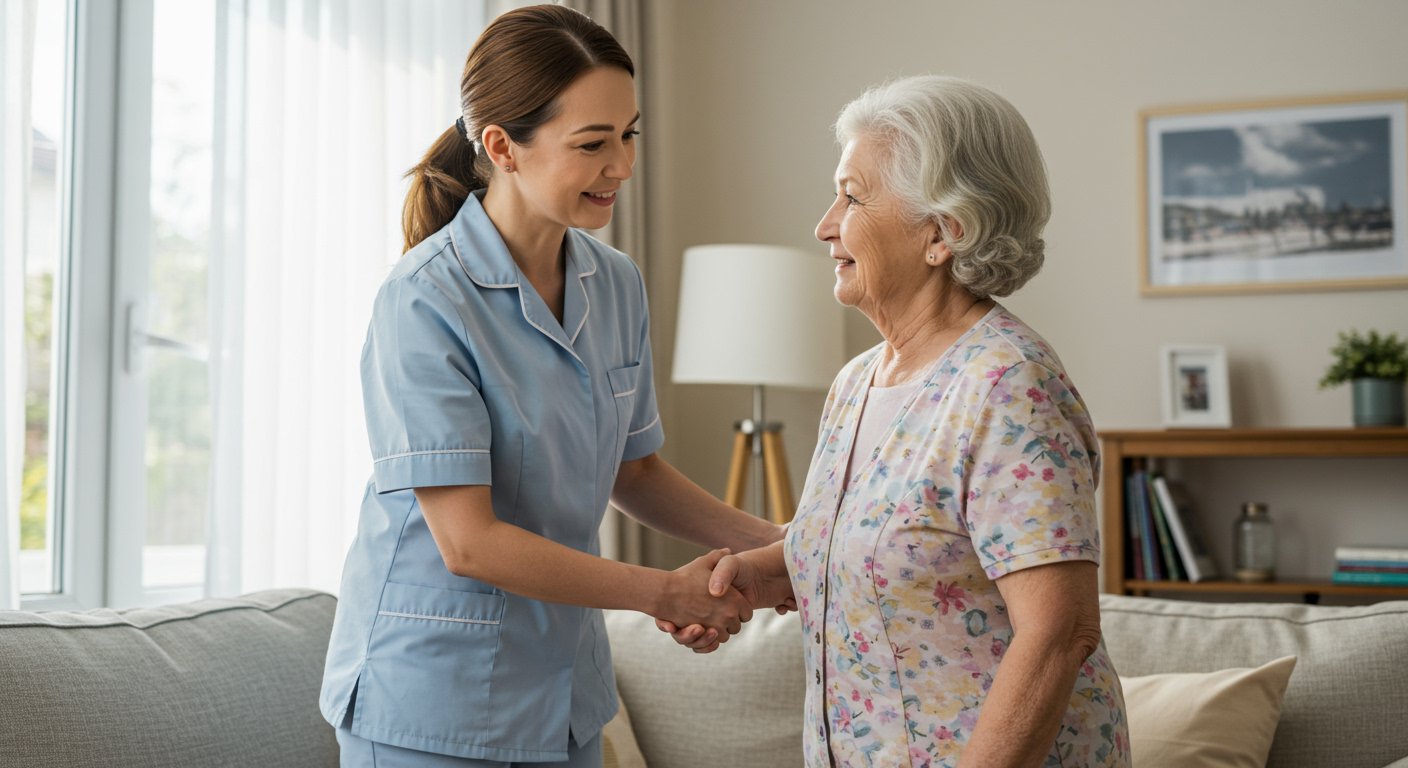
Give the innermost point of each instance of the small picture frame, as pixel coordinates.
(1194, 386)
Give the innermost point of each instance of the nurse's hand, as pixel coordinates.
(686, 600)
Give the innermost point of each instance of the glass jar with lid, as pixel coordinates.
(1254, 544)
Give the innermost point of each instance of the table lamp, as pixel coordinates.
(758, 315)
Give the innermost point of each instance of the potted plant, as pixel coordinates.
(1377, 366)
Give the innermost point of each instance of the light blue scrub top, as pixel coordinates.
(468, 379)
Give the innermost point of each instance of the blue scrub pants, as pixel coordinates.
(358, 752)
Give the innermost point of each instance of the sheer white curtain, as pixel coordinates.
(331, 101)
(17, 21)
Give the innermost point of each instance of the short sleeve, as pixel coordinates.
(1032, 466)
(645, 434)
(426, 420)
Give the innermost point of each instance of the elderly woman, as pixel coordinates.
(943, 558)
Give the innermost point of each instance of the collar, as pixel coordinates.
(485, 258)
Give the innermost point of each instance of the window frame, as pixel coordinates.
(96, 478)
(79, 471)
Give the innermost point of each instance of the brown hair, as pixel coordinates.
(515, 73)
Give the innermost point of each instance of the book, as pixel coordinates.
(1152, 569)
(1390, 554)
(1372, 566)
(1178, 510)
(1135, 561)
(1172, 568)
(1362, 577)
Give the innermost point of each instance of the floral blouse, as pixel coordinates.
(989, 469)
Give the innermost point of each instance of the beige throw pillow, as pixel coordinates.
(618, 743)
(1215, 719)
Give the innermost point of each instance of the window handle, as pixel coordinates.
(138, 339)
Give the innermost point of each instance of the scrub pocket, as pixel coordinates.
(623, 389)
(427, 639)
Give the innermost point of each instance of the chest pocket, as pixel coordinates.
(623, 383)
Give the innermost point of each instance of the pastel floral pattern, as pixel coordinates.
(989, 470)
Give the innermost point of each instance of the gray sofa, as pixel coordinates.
(1346, 705)
(206, 684)
(235, 682)
(1347, 702)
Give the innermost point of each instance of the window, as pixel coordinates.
(144, 482)
(153, 386)
(161, 439)
(36, 153)
(180, 329)
(55, 221)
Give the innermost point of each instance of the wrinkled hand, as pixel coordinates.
(731, 573)
(691, 599)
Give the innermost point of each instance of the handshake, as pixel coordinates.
(707, 601)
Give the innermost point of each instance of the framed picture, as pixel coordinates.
(1194, 386)
(1275, 196)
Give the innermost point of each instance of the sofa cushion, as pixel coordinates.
(618, 743)
(740, 706)
(1223, 719)
(1345, 702)
(222, 682)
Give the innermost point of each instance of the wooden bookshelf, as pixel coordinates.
(1122, 448)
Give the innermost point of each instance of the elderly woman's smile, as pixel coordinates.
(879, 251)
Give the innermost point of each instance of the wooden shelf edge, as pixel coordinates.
(1259, 433)
(1281, 587)
(1259, 443)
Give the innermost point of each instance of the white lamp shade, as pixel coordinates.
(757, 315)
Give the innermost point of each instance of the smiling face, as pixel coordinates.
(879, 251)
(569, 174)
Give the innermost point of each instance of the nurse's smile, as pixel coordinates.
(603, 199)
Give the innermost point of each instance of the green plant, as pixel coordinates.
(1367, 357)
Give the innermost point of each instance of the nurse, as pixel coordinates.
(507, 380)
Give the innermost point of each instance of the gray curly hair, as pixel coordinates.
(954, 150)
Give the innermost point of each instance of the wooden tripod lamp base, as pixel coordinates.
(778, 498)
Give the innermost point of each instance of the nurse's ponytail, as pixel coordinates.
(517, 69)
(440, 182)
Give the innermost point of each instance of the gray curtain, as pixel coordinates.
(622, 537)
(623, 18)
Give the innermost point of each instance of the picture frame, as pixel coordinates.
(1194, 386)
(1273, 196)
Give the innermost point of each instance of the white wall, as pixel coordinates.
(740, 148)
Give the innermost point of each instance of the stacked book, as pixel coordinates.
(1164, 544)
(1372, 565)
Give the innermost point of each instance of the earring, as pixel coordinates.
(508, 169)
(932, 259)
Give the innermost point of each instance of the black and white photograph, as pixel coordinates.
(1295, 197)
